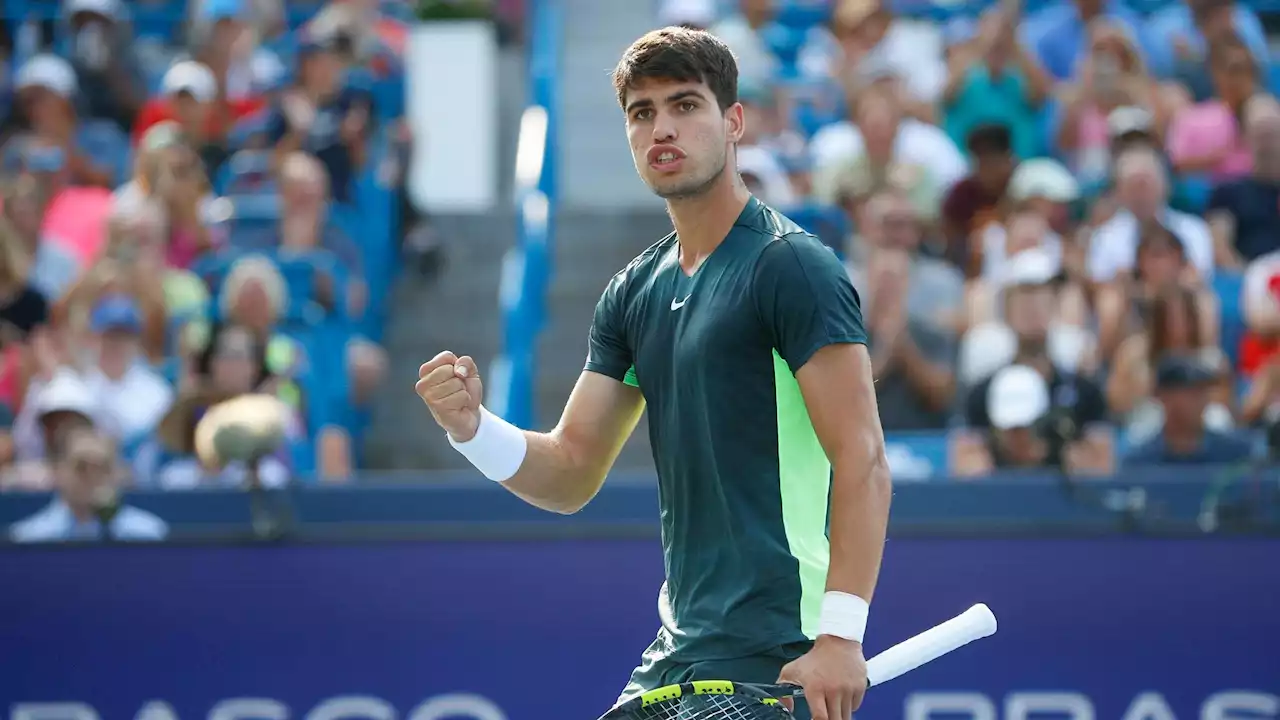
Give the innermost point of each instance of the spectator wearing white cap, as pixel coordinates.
(106, 64)
(1057, 352)
(1017, 403)
(52, 140)
(189, 95)
(57, 402)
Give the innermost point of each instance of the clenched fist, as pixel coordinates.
(451, 388)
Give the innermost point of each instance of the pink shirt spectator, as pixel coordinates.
(77, 219)
(1207, 129)
(183, 249)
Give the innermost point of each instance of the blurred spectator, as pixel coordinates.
(867, 43)
(1142, 190)
(1112, 76)
(934, 289)
(52, 141)
(743, 31)
(1244, 214)
(304, 227)
(693, 14)
(1260, 348)
(1209, 137)
(1175, 325)
(322, 117)
(1028, 307)
(911, 359)
(779, 151)
(233, 363)
(57, 402)
(169, 173)
(1049, 188)
(1062, 33)
(227, 43)
(995, 81)
(189, 95)
(106, 63)
(1017, 404)
(87, 506)
(54, 267)
(22, 307)
(1180, 33)
(134, 395)
(369, 38)
(132, 264)
(880, 149)
(976, 201)
(1183, 389)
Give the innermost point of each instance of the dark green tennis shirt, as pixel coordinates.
(743, 481)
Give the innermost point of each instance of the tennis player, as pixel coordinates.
(744, 337)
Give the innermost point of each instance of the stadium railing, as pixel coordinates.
(526, 268)
(1171, 500)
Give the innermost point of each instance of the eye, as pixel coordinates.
(688, 106)
(642, 114)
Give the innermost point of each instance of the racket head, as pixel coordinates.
(707, 700)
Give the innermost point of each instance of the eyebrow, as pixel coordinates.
(672, 98)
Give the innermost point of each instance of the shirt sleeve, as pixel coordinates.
(607, 350)
(805, 299)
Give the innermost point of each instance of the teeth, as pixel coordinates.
(666, 157)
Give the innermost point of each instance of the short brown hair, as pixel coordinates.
(683, 55)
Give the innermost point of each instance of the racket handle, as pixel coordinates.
(973, 624)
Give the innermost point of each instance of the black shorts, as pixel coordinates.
(657, 670)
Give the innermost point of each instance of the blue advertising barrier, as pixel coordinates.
(1107, 628)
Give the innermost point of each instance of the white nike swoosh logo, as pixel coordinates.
(677, 304)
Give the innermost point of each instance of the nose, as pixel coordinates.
(664, 129)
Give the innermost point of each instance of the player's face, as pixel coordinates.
(679, 137)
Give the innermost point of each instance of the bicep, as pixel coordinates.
(841, 399)
(600, 415)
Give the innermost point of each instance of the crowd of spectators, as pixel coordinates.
(1063, 219)
(180, 182)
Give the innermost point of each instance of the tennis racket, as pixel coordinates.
(727, 700)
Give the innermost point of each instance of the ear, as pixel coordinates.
(734, 123)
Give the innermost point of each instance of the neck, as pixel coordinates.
(1182, 440)
(702, 222)
(82, 513)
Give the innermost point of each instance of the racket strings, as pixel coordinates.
(711, 707)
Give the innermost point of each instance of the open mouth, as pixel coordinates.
(665, 157)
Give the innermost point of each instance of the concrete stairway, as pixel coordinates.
(590, 248)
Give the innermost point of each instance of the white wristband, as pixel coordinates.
(498, 448)
(843, 615)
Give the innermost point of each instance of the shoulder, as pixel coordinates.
(640, 269)
(137, 524)
(47, 524)
(1186, 224)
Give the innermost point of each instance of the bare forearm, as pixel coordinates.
(860, 497)
(552, 478)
